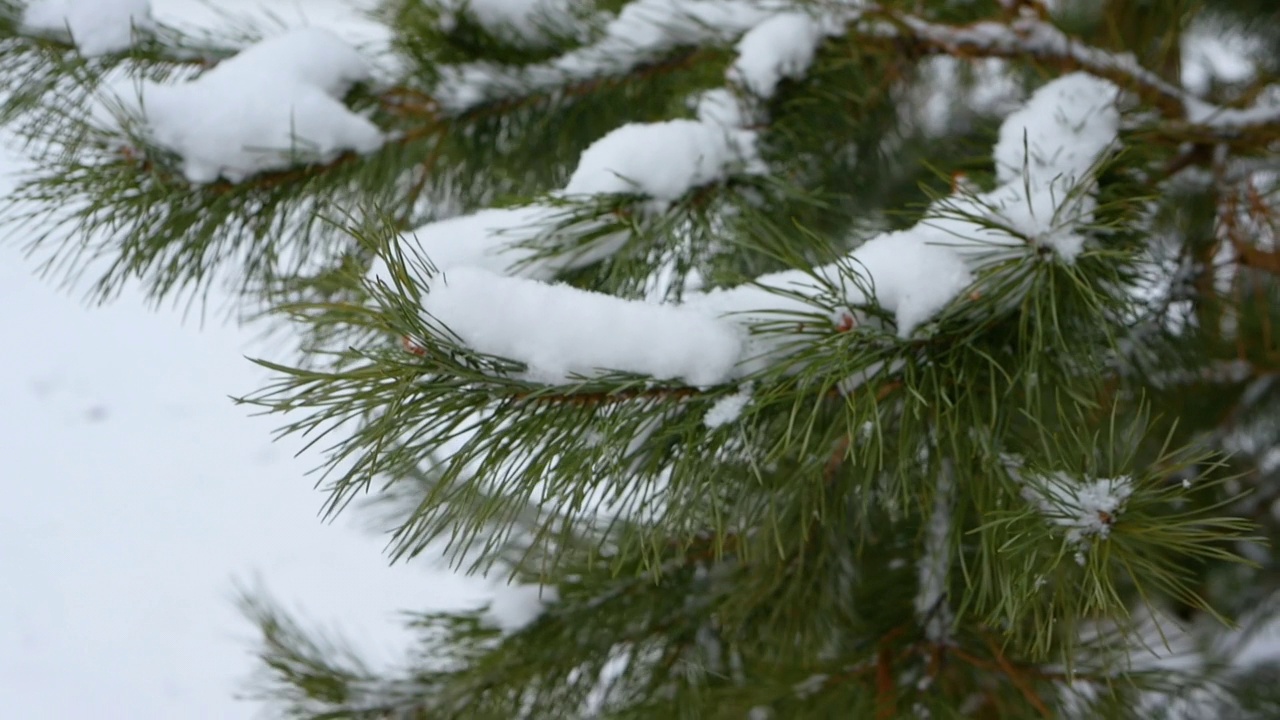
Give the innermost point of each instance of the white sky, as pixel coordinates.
(136, 495)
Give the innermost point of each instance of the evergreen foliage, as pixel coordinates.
(1050, 490)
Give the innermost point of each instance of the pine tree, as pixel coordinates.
(795, 359)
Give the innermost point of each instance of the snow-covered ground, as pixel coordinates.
(137, 496)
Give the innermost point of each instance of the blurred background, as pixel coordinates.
(137, 497)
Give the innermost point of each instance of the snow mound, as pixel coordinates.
(274, 105)
(781, 47)
(1061, 131)
(560, 332)
(662, 160)
(97, 27)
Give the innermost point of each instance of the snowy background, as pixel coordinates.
(138, 496)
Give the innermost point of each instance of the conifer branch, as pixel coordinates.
(161, 45)
(611, 396)
(1023, 37)
(686, 337)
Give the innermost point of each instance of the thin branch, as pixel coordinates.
(610, 397)
(1031, 36)
(1019, 680)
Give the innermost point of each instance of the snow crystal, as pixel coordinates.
(662, 160)
(561, 332)
(270, 106)
(1086, 508)
(728, 408)
(781, 47)
(97, 27)
(515, 606)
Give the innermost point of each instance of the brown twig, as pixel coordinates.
(886, 683)
(836, 459)
(1019, 680)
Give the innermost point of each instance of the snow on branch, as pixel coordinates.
(1063, 131)
(781, 47)
(494, 239)
(1044, 153)
(1084, 508)
(527, 21)
(777, 42)
(275, 104)
(1044, 200)
(663, 160)
(562, 334)
(96, 27)
(659, 162)
(1265, 111)
(640, 33)
(729, 408)
(1029, 36)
